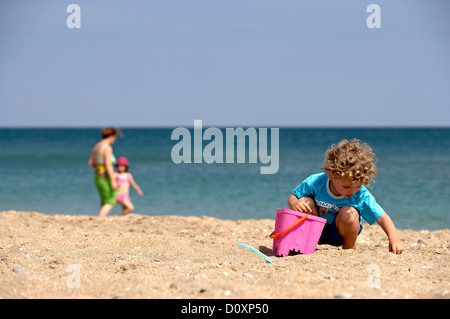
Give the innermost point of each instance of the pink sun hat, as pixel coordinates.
(122, 161)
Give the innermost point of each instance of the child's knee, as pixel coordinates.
(348, 215)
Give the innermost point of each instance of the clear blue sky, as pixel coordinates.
(227, 62)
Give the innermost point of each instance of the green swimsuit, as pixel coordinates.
(103, 182)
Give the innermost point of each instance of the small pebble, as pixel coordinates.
(20, 270)
(342, 295)
(420, 241)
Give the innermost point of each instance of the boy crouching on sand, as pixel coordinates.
(340, 196)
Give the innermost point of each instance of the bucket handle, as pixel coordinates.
(275, 236)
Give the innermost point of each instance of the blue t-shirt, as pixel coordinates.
(317, 186)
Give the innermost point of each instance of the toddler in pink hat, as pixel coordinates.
(124, 179)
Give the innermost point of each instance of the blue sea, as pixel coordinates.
(46, 170)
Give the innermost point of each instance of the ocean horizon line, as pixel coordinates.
(374, 127)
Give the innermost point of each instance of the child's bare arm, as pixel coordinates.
(304, 204)
(395, 244)
(135, 186)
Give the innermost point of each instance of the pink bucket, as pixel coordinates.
(296, 231)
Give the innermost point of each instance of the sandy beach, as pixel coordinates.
(137, 256)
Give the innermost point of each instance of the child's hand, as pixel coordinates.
(140, 193)
(303, 205)
(396, 246)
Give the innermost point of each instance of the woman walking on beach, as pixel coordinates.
(102, 160)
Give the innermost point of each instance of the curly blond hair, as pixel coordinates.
(353, 160)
